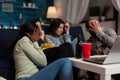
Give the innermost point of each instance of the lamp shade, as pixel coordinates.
(51, 12)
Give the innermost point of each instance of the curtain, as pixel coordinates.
(116, 4)
(72, 11)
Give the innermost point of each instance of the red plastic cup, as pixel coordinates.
(86, 50)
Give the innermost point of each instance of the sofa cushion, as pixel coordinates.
(5, 35)
(7, 69)
(75, 31)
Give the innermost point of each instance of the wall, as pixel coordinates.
(13, 17)
(103, 4)
(97, 7)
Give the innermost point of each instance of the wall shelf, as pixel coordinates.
(31, 7)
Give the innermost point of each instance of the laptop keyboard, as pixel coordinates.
(100, 59)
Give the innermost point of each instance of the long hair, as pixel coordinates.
(35, 20)
(87, 23)
(54, 25)
(28, 27)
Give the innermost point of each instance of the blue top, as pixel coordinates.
(58, 40)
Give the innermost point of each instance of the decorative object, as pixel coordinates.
(24, 4)
(20, 16)
(1, 0)
(7, 7)
(33, 5)
(28, 3)
(51, 12)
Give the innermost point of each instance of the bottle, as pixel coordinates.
(79, 47)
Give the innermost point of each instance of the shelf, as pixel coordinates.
(31, 7)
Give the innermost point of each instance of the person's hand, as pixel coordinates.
(35, 36)
(67, 28)
(96, 27)
(42, 34)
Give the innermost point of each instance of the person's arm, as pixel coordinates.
(49, 39)
(107, 37)
(40, 41)
(33, 51)
(67, 38)
(67, 28)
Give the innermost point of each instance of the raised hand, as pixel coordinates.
(67, 28)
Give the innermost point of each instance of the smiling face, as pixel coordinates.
(59, 30)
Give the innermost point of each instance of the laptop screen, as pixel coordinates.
(113, 56)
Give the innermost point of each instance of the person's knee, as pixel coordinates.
(66, 61)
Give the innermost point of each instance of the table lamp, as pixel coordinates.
(51, 12)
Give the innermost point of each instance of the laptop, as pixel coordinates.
(112, 57)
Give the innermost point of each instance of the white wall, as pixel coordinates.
(102, 4)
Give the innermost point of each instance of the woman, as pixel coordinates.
(58, 34)
(30, 61)
(61, 49)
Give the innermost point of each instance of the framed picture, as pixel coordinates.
(1, 0)
(7, 7)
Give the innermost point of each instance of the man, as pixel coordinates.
(102, 38)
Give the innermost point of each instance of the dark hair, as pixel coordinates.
(35, 20)
(87, 23)
(54, 25)
(28, 27)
